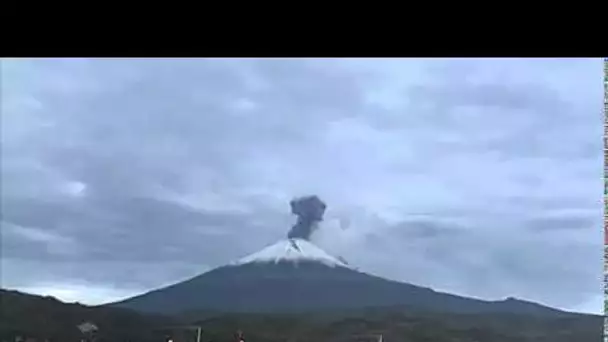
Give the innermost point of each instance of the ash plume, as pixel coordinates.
(309, 210)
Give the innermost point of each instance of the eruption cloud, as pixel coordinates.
(309, 210)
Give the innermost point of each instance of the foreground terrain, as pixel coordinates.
(47, 318)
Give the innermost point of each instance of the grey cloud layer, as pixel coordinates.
(478, 176)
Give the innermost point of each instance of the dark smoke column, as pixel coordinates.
(310, 210)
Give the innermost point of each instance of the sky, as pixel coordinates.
(479, 177)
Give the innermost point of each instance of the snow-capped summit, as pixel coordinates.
(294, 250)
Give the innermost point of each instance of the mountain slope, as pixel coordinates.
(295, 275)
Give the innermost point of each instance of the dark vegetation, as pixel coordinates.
(47, 318)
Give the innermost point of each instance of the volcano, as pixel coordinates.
(294, 275)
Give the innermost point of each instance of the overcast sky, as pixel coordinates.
(478, 177)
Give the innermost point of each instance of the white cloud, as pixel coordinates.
(594, 305)
(82, 293)
(75, 188)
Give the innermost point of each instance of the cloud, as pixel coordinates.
(475, 176)
(82, 293)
